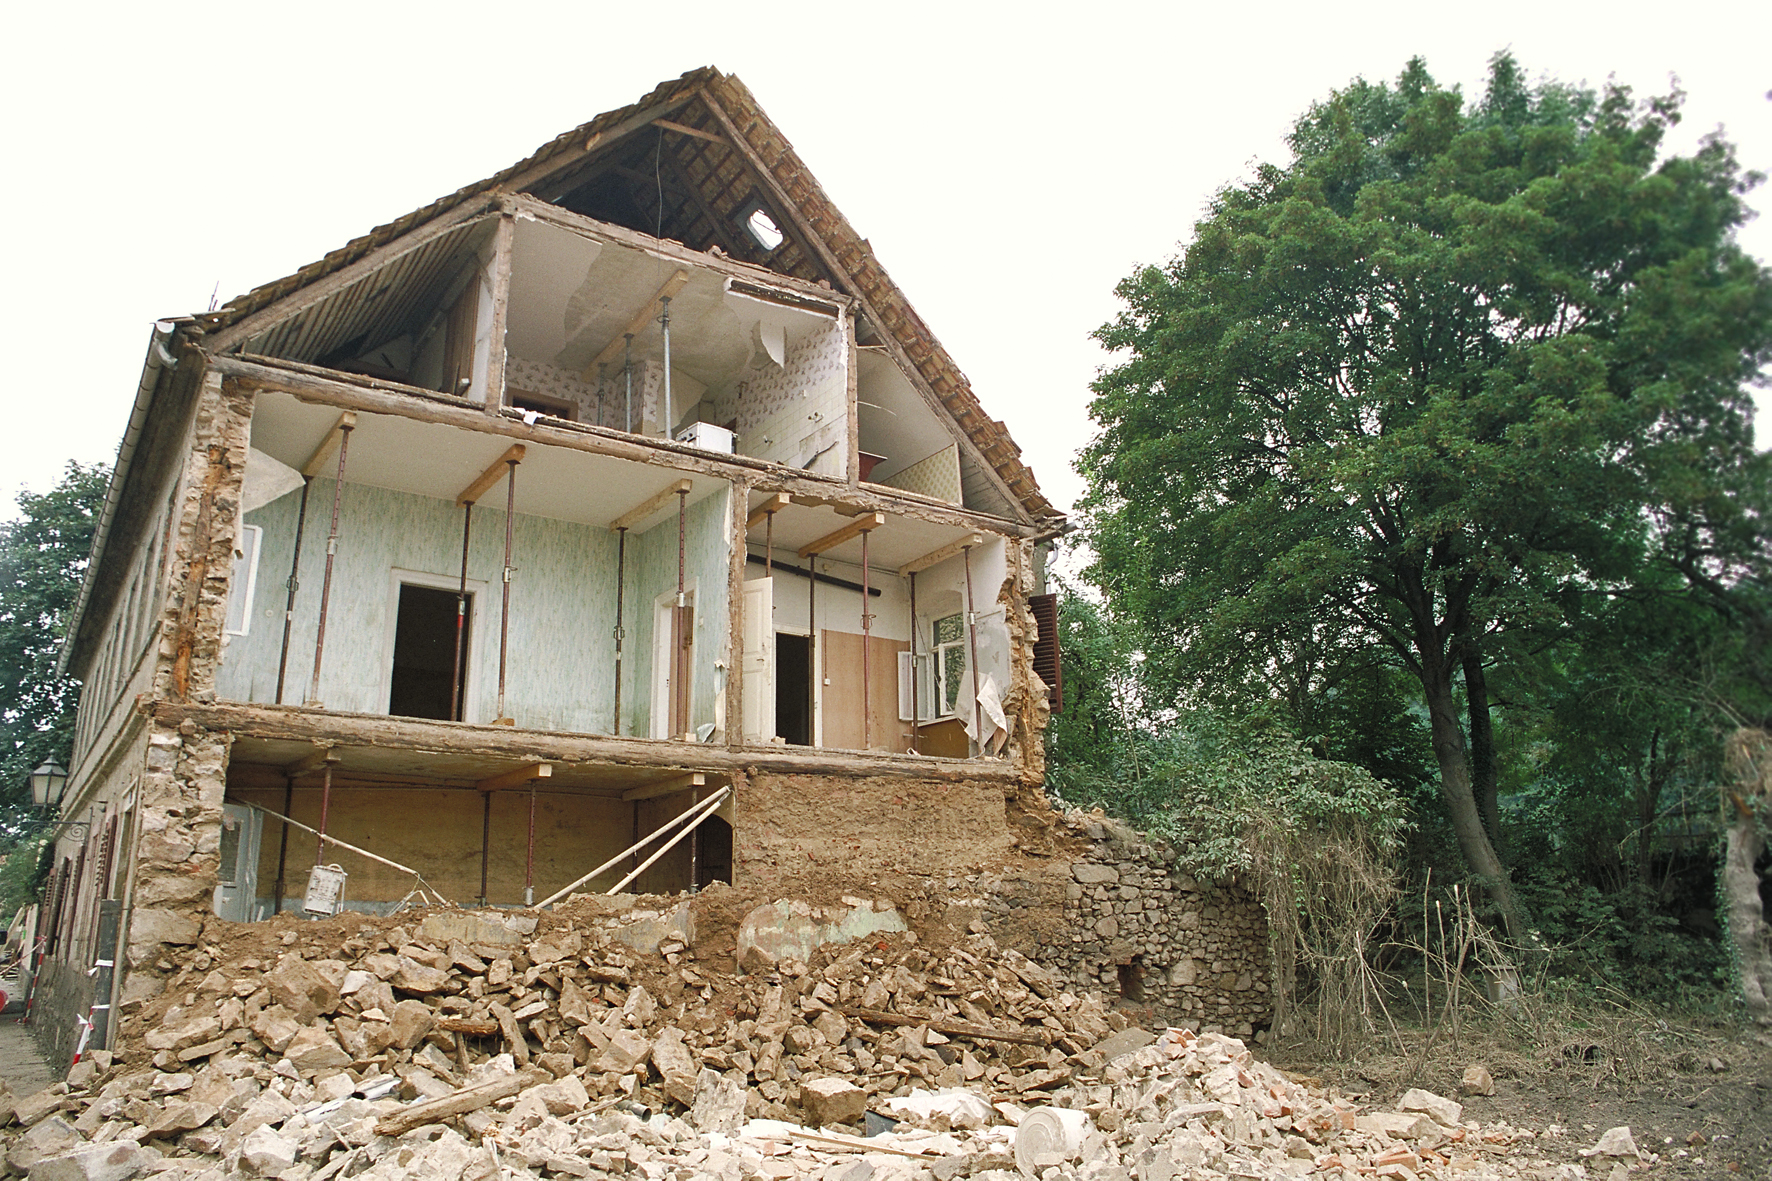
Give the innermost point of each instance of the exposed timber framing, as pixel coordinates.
(684, 129)
(865, 523)
(665, 787)
(317, 462)
(643, 317)
(809, 237)
(293, 723)
(935, 556)
(774, 504)
(502, 243)
(649, 506)
(495, 471)
(519, 777)
(329, 388)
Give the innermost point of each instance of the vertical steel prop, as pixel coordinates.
(916, 712)
(679, 679)
(972, 644)
(456, 704)
(504, 619)
(325, 807)
(812, 645)
(338, 487)
(664, 319)
(283, 844)
(621, 633)
(695, 847)
(867, 622)
(301, 521)
(529, 863)
(627, 369)
(485, 839)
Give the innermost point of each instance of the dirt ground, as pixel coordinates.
(1699, 1096)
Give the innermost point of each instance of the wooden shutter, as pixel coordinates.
(1046, 661)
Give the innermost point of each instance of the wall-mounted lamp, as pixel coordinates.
(48, 782)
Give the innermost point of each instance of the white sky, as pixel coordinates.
(1009, 164)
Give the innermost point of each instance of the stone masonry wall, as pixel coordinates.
(1136, 925)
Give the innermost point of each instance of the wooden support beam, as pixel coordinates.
(685, 129)
(665, 787)
(918, 565)
(776, 502)
(649, 506)
(641, 318)
(520, 777)
(495, 471)
(312, 762)
(855, 528)
(317, 461)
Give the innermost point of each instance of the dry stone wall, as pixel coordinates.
(1138, 926)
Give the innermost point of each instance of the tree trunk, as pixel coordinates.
(1485, 776)
(1455, 789)
(1750, 759)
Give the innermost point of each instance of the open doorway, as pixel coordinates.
(425, 681)
(713, 852)
(793, 688)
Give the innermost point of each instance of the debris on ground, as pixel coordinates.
(408, 1052)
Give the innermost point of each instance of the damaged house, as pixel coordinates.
(618, 496)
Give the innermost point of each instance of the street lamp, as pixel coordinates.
(48, 782)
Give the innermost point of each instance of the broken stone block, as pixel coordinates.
(116, 1161)
(719, 1104)
(275, 1026)
(267, 1153)
(1090, 874)
(465, 926)
(1615, 1142)
(302, 989)
(1397, 1125)
(564, 1096)
(177, 1118)
(409, 1023)
(625, 1050)
(1476, 1081)
(677, 1066)
(168, 1084)
(412, 976)
(832, 1101)
(32, 1108)
(313, 1049)
(1444, 1111)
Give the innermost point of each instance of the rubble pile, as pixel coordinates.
(408, 1054)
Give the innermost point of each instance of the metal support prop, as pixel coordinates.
(694, 847)
(711, 804)
(916, 711)
(665, 320)
(338, 487)
(529, 864)
(769, 546)
(504, 619)
(301, 521)
(621, 566)
(325, 806)
(627, 368)
(456, 704)
(679, 679)
(972, 644)
(283, 847)
(867, 620)
(485, 839)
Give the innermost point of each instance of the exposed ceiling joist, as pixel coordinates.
(666, 787)
(313, 762)
(774, 504)
(934, 556)
(830, 541)
(685, 129)
(641, 318)
(317, 461)
(649, 506)
(495, 471)
(520, 777)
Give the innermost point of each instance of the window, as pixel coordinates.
(950, 659)
(244, 581)
(762, 227)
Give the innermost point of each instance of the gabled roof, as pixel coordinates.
(692, 178)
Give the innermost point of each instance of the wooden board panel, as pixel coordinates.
(841, 708)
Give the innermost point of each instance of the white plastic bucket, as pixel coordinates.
(1055, 1131)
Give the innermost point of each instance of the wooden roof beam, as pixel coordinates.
(495, 471)
(317, 461)
(312, 762)
(641, 318)
(855, 528)
(522, 776)
(685, 129)
(649, 506)
(934, 556)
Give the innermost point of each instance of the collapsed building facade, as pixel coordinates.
(620, 492)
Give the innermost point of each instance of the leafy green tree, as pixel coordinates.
(43, 554)
(1456, 369)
